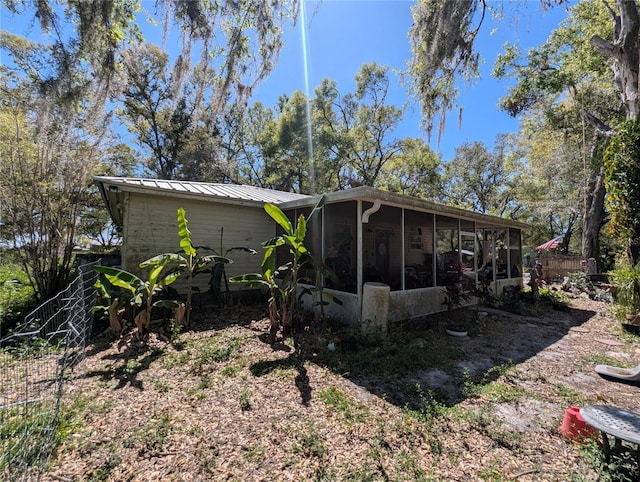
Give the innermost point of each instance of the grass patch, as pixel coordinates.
(365, 472)
(29, 350)
(203, 352)
(213, 350)
(84, 406)
(309, 444)
(29, 432)
(103, 472)
(497, 392)
(571, 396)
(176, 359)
(205, 382)
(351, 411)
(622, 467)
(600, 359)
(408, 464)
(493, 471)
(428, 410)
(229, 371)
(153, 436)
(161, 385)
(245, 400)
(26, 432)
(255, 453)
(408, 348)
(494, 386)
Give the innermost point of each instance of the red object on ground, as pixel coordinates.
(574, 427)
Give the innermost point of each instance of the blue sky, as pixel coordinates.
(344, 34)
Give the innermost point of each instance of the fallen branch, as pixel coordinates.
(526, 472)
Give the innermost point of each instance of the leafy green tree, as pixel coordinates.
(622, 170)
(329, 121)
(370, 141)
(226, 49)
(415, 171)
(622, 49)
(161, 120)
(55, 95)
(281, 147)
(318, 144)
(288, 142)
(357, 128)
(565, 94)
(482, 181)
(552, 189)
(237, 42)
(240, 143)
(50, 150)
(443, 37)
(95, 222)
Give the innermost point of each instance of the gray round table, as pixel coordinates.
(622, 425)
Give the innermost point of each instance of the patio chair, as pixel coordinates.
(616, 374)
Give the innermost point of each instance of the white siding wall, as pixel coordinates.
(151, 228)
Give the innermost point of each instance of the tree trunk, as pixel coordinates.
(594, 216)
(625, 54)
(566, 239)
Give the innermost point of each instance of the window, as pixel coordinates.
(418, 257)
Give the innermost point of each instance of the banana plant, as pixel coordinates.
(112, 300)
(218, 271)
(284, 302)
(142, 291)
(190, 262)
(319, 297)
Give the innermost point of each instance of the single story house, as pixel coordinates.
(365, 235)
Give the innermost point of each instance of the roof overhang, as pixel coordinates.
(370, 194)
(113, 189)
(112, 197)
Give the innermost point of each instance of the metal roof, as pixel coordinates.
(228, 191)
(370, 194)
(112, 189)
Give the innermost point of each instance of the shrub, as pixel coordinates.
(283, 281)
(525, 303)
(622, 176)
(627, 279)
(17, 297)
(554, 299)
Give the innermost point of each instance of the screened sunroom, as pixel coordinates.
(370, 236)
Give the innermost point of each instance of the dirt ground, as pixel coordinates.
(226, 402)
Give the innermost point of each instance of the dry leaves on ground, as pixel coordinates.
(225, 402)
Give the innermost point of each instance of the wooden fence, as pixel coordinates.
(557, 266)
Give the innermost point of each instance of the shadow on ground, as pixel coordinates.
(418, 357)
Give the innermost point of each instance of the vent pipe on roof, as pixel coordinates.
(373, 209)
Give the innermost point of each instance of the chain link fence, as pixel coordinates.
(33, 362)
